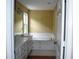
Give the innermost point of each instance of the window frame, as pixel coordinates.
(26, 24)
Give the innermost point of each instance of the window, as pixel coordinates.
(25, 23)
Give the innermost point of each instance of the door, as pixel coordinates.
(63, 34)
(63, 39)
(61, 29)
(66, 39)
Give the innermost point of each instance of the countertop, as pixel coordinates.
(20, 40)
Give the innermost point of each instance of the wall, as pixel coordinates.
(21, 7)
(18, 20)
(42, 28)
(42, 22)
(18, 23)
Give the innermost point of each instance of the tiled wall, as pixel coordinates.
(43, 45)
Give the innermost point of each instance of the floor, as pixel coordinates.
(42, 55)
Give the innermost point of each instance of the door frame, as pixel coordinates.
(10, 30)
(69, 30)
(66, 53)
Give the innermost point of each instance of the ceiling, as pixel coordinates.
(39, 4)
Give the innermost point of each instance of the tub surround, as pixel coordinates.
(42, 36)
(43, 45)
(43, 41)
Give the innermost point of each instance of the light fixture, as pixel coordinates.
(49, 3)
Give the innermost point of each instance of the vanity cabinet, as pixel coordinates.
(18, 53)
(23, 47)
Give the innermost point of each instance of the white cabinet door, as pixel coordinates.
(24, 51)
(18, 53)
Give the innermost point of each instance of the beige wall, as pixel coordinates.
(39, 21)
(18, 23)
(42, 21)
(55, 20)
(21, 7)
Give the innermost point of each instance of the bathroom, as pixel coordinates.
(38, 29)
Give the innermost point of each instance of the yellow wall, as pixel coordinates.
(18, 23)
(55, 22)
(21, 7)
(42, 21)
(39, 21)
(18, 18)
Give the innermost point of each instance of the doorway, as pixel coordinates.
(26, 44)
(46, 25)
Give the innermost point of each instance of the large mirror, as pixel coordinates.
(20, 22)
